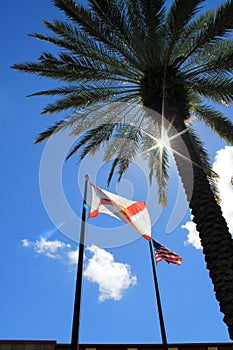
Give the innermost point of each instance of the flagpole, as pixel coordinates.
(161, 321)
(78, 290)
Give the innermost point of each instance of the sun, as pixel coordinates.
(159, 142)
(163, 142)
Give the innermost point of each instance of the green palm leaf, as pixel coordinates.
(217, 88)
(93, 26)
(222, 126)
(180, 13)
(123, 148)
(207, 29)
(85, 97)
(82, 44)
(92, 139)
(158, 163)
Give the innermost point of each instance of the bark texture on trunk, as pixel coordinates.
(216, 240)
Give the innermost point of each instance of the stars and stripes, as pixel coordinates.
(133, 213)
(163, 253)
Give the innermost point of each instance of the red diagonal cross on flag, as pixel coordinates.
(132, 212)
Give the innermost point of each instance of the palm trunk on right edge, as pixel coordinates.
(215, 238)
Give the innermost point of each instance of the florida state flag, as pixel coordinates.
(133, 213)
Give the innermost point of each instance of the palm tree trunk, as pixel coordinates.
(215, 238)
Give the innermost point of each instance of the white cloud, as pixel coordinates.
(73, 256)
(112, 277)
(223, 166)
(26, 243)
(52, 249)
(193, 235)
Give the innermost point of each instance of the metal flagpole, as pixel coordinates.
(78, 290)
(161, 321)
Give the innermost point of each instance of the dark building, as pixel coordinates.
(52, 345)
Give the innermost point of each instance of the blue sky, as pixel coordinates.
(37, 267)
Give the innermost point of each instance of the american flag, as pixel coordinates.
(166, 254)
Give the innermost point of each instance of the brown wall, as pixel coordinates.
(52, 345)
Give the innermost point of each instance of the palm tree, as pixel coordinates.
(117, 56)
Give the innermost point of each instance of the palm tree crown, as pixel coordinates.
(136, 51)
(118, 55)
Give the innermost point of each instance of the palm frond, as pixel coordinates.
(136, 22)
(146, 18)
(83, 44)
(80, 122)
(63, 124)
(69, 122)
(214, 59)
(79, 88)
(49, 132)
(112, 149)
(158, 165)
(112, 170)
(157, 158)
(222, 126)
(89, 96)
(93, 115)
(223, 21)
(65, 90)
(124, 147)
(207, 29)
(123, 165)
(205, 162)
(113, 13)
(199, 148)
(217, 88)
(54, 40)
(92, 139)
(153, 14)
(179, 15)
(72, 69)
(90, 23)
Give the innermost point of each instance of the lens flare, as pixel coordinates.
(48, 233)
